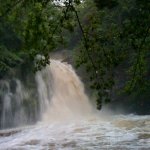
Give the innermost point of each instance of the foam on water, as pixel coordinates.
(87, 134)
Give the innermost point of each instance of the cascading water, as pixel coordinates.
(12, 112)
(66, 118)
(66, 98)
(17, 105)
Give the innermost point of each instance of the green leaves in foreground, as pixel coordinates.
(115, 37)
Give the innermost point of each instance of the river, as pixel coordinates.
(68, 121)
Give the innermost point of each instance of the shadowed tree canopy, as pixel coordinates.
(119, 33)
(107, 3)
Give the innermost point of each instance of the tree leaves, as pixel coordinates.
(109, 37)
(113, 37)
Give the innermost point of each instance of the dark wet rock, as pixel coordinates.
(144, 136)
(32, 142)
(69, 144)
(8, 133)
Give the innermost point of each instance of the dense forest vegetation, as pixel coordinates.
(109, 39)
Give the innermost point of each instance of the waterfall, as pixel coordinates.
(17, 105)
(66, 117)
(59, 95)
(11, 103)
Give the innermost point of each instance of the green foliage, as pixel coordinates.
(115, 36)
(10, 55)
(106, 3)
(137, 34)
(36, 25)
(119, 32)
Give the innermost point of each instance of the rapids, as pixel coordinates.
(120, 132)
(68, 121)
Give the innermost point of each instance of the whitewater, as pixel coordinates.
(68, 121)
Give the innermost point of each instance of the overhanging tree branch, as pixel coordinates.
(85, 41)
